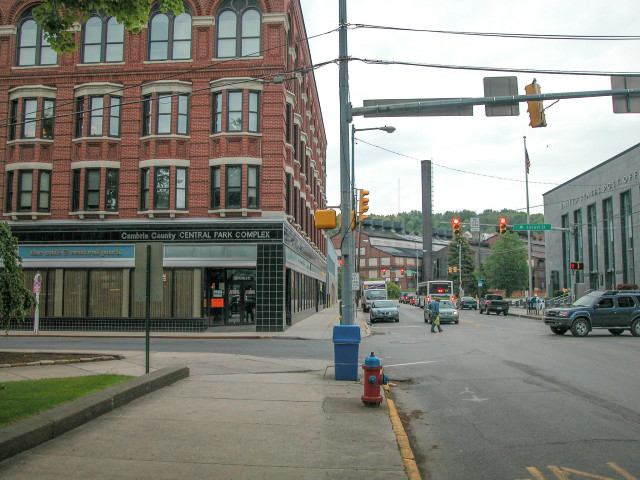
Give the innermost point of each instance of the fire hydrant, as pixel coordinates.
(373, 378)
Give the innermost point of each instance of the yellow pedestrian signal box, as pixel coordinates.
(364, 205)
(353, 220)
(326, 219)
(535, 109)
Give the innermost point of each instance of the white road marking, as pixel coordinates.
(413, 363)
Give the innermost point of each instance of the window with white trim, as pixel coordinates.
(238, 29)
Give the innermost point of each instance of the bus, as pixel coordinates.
(428, 291)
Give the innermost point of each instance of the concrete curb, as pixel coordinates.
(408, 459)
(28, 433)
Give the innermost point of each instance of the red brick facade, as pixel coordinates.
(284, 53)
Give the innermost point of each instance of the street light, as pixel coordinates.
(387, 129)
(353, 171)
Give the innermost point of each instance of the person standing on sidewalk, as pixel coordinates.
(434, 306)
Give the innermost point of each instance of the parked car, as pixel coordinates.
(494, 303)
(614, 310)
(384, 311)
(448, 313)
(468, 302)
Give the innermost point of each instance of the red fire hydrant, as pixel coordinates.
(373, 378)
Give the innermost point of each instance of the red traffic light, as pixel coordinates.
(503, 221)
(402, 270)
(456, 226)
(455, 221)
(577, 265)
(384, 270)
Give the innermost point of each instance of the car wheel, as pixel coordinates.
(616, 331)
(558, 330)
(635, 327)
(580, 327)
(505, 313)
(397, 320)
(456, 322)
(487, 312)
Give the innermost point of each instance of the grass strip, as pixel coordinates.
(30, 397)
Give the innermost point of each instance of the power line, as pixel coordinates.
(527, 36)
(495, 69)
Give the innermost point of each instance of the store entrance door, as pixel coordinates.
(241, 297)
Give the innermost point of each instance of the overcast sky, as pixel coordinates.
(580, 134)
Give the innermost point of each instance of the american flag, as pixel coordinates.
(527, 163)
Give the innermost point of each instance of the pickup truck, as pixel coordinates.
(494, 303)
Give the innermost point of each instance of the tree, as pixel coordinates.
(15, 299)
(393, 290)
(56, 17)
(469, 282)
(506, 267)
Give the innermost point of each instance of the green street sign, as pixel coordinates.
(518, 227)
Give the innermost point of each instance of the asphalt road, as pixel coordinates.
(500, 397)
(491, 398)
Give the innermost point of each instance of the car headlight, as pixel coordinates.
(563, 314)
(455, 312)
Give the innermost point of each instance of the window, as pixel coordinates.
(146, 115)
(252, 187)
(254, 111)
(296, 136)
(96, 115)
(234, 112)
(238, 29)
(144, 189)
(215, 188)
(625, 302)
(287, 124)
(79, 117)
(9, 198)
(183, 115)
(216, 126)
(170, 36)
(114, 116)
(25, 189)
(29, 115)
(181, 188)
(165, 113)
(566, 252)
(33, 49)
(111, 189)
(44, 190)
(234, 187)
(626, 232)
(92, 189)
(578, 247)
(13, 119)
(103, 40)
(608, 238)
(592, 238)
(162, 188)
(75, 191)
(287, 194)
(46, 124)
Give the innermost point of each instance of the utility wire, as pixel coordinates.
(527, 36)
(495, 69)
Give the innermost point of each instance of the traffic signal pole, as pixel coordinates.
(346, 192)
(526, 173)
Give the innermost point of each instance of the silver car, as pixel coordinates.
(384, 311)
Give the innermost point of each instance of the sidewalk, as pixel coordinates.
(234, 417)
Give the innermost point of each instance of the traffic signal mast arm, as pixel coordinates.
(495, 101)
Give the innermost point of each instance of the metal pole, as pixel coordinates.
(427, 228)
(460, 267)
(345, 190)
(147, 309)
(526, 173)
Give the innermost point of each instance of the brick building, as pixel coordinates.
(201, 137)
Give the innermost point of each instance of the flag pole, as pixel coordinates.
(526, 177)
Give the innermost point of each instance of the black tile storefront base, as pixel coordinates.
(112, 325)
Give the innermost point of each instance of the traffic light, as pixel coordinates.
(577, 265)
(353, 220)
(384, 271)
(364, 205)
(402, 271)
(456, 226)
(535, 109)
(503, 225)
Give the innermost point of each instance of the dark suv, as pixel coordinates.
(615, 310)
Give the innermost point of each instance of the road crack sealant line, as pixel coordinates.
(408, 459)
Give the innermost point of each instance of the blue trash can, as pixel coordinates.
(346, 339)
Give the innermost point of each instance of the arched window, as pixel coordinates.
(170, 36)
(33, 48)
(103, 40)
(239, 27)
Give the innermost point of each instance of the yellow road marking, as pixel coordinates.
(626, 475)
(562, 473)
